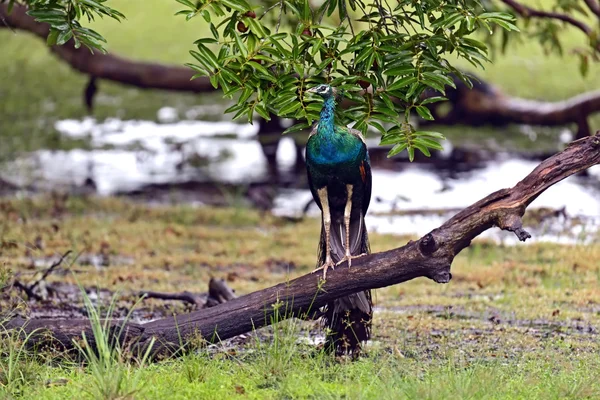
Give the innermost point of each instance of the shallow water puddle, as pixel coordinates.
(411, 200)
(416, 200)
(131, 154)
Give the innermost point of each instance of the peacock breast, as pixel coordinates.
(337, 155)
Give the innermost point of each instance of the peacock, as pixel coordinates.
(339, 176)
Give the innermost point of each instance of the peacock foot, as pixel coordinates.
(327, 264)
(349, 258)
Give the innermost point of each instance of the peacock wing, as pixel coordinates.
(366, 167)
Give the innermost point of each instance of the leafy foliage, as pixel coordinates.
(63, 17)
(384, 61)
(389, 60)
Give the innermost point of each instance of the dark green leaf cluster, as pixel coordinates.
(63, 16)
(386, 58)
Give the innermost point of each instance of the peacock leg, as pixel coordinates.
(323, 197)
(347, 212)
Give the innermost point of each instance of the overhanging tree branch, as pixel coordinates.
(594, 6)
(144, 75)
(528, 12)
(431, 257)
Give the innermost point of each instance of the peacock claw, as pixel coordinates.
(349, 258)
(324, 267)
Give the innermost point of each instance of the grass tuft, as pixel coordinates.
(113, 376)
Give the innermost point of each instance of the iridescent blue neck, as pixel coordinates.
(327, 119)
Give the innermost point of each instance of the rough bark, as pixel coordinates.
(144, 75)
(431, 257)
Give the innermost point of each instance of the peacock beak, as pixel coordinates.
(312, 90)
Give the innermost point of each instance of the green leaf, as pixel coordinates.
(405, 70)
(411, 153)
(427, 142)
(433, 99)
(296, 127)
(432, 134)
(424, 113)
(316, 46)
(187, 3)
(290, 108)
(241, 46)
(208, 55)
(258, 67)
(231, 76)
(378, 126)
(52, 36)
(366, 52)
(422, 148)
(390, 139)
(400, 83)
(237, 5)
(64, 37)
(262, 111)
(256, 27)
(507, 25)
(214, 31)
(497, 15)
(397, 149)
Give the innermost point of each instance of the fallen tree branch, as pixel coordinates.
(485, 104)
(30, 289)
(218, 292)
(144, 75)
(50, 269)
(431, 257)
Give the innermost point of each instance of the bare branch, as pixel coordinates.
(30, 289)
(218, 292)
(594, 6)
(49, 270)
(528, 12)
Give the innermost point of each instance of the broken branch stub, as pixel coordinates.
(431, 256)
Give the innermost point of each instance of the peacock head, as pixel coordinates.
(323, 90)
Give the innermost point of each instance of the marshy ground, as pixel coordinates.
(522, 319)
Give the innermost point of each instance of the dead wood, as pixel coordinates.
(218, 292)
(431, 257)
(140, 74)
(485, 104)
(30, 289)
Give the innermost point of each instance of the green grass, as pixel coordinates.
(429, 341)
(379, 377)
